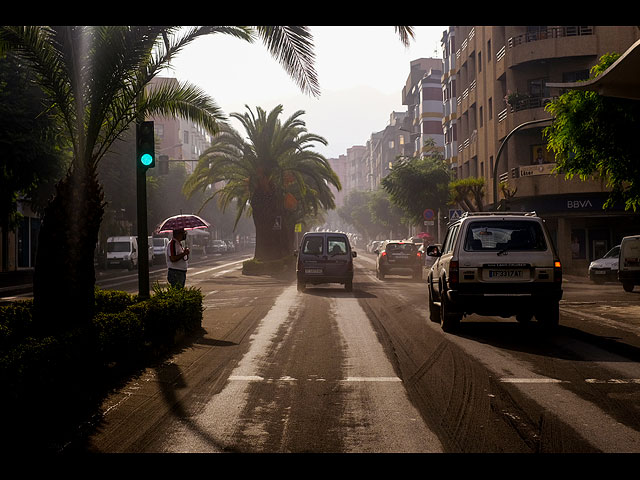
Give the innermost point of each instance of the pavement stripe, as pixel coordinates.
(531, 380)
(256, 378)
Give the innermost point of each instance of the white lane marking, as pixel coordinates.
(256, 378)
(217, 267)
(622, 381)
(611, 381)
(531, 380)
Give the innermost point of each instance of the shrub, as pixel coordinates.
(118, 336)
(113, 301)
(15, 322)
(169, 311)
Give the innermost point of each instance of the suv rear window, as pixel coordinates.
(494, 235)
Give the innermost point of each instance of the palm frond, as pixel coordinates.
(293, 49)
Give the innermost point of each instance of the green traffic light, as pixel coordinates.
(146, 159)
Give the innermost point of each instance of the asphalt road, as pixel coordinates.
(276, 370)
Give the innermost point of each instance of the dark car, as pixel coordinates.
(325, 257)
(399, 258)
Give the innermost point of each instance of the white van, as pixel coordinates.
(160, 248)
(122, 251)
(629, 266)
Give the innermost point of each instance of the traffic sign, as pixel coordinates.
(455, 213)
(428, 214)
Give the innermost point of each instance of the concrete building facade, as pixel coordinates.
(497, 77)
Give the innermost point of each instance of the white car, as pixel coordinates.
(605, 268)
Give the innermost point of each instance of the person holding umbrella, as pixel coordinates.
(177, 259)
(176, 255)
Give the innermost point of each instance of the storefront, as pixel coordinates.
(581, 229)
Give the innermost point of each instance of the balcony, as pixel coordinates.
(552, 42)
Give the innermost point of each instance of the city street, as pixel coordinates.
(276, 370)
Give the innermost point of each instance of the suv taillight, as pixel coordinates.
(557, 271)
(454, 274)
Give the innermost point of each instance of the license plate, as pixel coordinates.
(599, 272)
(312, 270)
(506, 273)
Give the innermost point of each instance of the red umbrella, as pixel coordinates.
(423, 235)
(186, 221)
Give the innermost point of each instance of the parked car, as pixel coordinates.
(495, 264)
(605, 268)
(629, 264)
(122, 252)
(231, 247)
(373, 246)
(399, 258)
(217, 246)
(325, 257)
(160, 248)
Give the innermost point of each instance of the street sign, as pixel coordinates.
(455, 213)
(428, 214)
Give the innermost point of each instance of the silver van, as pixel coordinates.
(629, 262)
(325, 257)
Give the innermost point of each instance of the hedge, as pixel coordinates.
(72, 369)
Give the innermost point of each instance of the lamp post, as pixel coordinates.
(504, 142)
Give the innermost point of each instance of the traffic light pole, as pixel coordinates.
(144, 147)
(143, 240)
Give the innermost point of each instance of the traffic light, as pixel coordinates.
(145, 145)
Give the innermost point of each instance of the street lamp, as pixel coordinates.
(504, 142)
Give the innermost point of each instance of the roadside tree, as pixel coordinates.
(95, 78)
(593, 135)
(272, 175)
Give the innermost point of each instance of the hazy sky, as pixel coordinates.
(361, 71)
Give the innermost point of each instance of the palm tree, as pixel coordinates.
(95, 78)
(273, 174)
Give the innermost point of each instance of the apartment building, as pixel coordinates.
(422, 94)
(178, 138)
(494, 87)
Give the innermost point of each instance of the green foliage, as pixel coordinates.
(273, 172)
(415, 184)
(15, 322)
(468, 193)
(122, 331)
(596, 136)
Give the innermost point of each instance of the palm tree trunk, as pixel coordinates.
(269, 239)
(64, 276)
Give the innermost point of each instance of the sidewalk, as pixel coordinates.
(14, 282)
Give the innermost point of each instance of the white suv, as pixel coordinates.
(495, 263)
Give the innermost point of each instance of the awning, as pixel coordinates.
(622, 79)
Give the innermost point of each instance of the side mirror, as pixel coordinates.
(354, 254)
(433, 251)
(376, 251)
(295, 253)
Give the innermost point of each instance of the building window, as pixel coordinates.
(185, 136)
(488, 51)
(490, 108)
